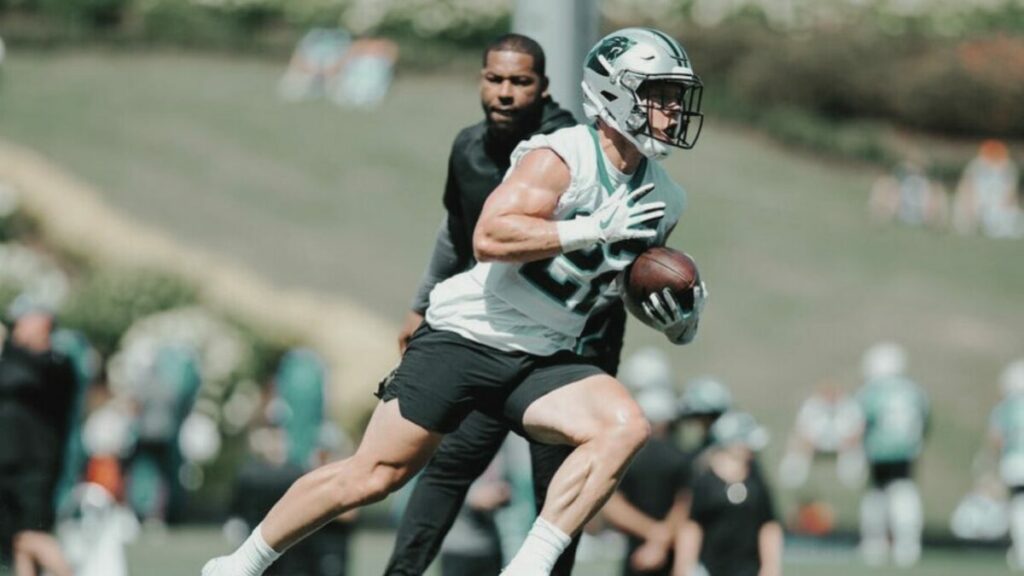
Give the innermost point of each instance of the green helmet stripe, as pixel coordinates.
(672, 44)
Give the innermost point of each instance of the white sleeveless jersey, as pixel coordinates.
(542, 307)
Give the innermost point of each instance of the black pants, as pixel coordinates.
(457, 565)
(441, 489)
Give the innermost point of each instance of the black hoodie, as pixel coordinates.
(477, 165)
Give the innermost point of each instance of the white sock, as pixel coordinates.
(251, 559)
(538, 554)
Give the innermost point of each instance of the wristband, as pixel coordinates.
(578, 233)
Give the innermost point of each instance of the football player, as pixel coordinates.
(1006, 430)
(895, 413)
(575, 209)
(516, 105)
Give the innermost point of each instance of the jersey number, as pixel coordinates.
(574, 267)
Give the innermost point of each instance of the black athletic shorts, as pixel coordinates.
(885, 473)
(444, 376)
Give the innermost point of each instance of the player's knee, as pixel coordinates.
(628, 428)
(381, 481)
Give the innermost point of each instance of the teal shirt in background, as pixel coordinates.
(1007, 424)
(895, 419)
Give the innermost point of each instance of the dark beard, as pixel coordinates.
(502, 139)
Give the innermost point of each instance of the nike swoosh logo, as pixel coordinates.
(647, 57)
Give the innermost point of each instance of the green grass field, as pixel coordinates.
(347, 202)
(184, 551)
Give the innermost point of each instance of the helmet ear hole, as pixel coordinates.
(636, 120)
(609, 96)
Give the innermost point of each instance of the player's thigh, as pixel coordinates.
(392, 441)
(443, 377)
(572, 404)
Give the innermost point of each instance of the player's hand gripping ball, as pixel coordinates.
(664, 291)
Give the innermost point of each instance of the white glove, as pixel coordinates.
(668, 316)
(620, 217)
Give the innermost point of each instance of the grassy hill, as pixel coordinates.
(315, 196)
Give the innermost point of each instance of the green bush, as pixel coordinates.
(973, 87)
(106, 302)
(88, 14)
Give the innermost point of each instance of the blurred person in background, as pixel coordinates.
(703, 401)
(896, 416)
(732, 529)
(163, 400)
(1006, 432)
(828, 425)
(37, 391)
(656, 485)
(987, 195)
(516, 105)
(315, 64)
(366, 73)
(293, 439)
(909, 196)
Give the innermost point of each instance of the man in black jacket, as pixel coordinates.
(37, 387)
(516, 104)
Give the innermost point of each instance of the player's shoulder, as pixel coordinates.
(564, 142)
(567, 136)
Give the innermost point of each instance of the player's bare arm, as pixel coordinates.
(515, 224)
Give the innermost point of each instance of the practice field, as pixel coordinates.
(184, 551)
(315, 196)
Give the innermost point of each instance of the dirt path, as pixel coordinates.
(358, 345)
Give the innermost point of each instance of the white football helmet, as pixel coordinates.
(617, 67)
(1012, 379)
(648, 374)
(884, 360)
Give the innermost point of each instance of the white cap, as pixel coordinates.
(1012, 380)
(648, 375)
(883, 360)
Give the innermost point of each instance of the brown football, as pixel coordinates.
(658, 268)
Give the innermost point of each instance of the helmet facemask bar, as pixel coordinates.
(685, 122)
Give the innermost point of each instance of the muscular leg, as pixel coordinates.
(599, 417)
(545, 460)
(441, 490)
(393, 449)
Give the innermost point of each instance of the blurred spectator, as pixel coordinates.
(473, 545)
(908, 195)
(94, 529)
(982, 514)
(315, 65)
(366, 76)
(896, 414)
(87, 366)
(656, 486)
(1006, 429)
(732, 528)
(299, 385)
(277, 459)
(37, 387)
(987, 194)
(828, 425)
(164, 400)
(704, 400)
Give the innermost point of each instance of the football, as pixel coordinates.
(658, 268)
